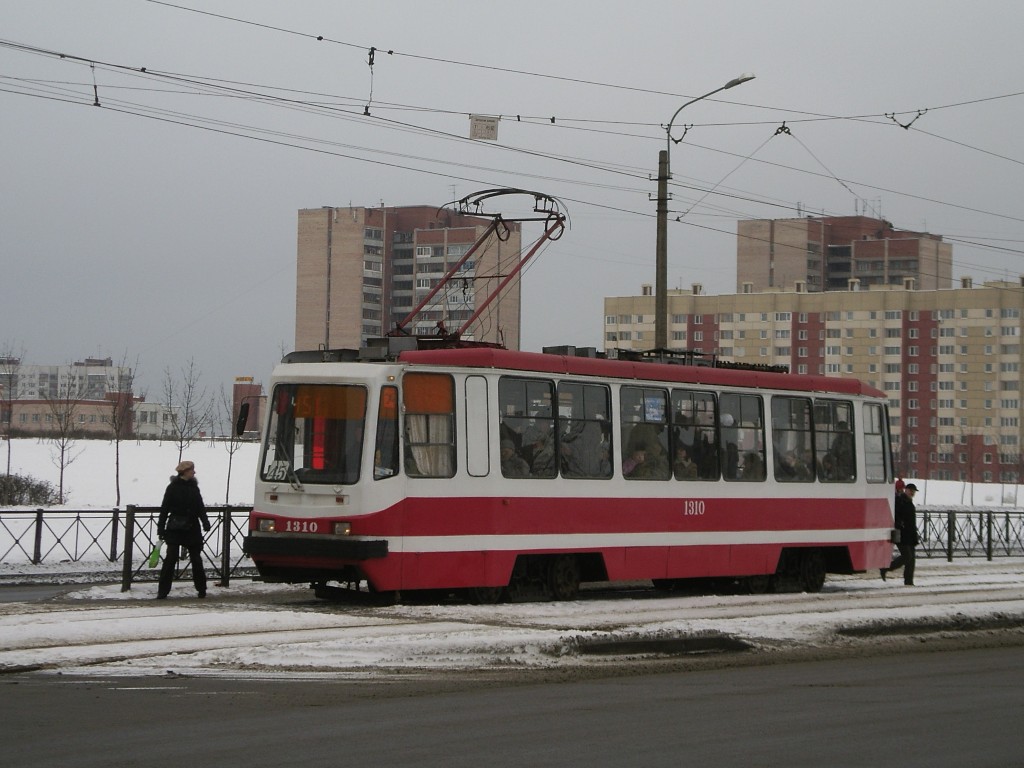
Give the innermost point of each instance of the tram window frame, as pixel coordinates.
(643, 417)
(703, 453)
(830, 440)
(386, 444)
(793, 439)
(584, 430)
(429, 424)
(315, 434)
(876, 432)
(741, 423)
(526, 418)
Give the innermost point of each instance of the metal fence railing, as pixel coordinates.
(97, 537)
(126, 537)
(971, 533)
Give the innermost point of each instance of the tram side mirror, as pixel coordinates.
(243, 417)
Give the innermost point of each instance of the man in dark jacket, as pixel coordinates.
(181, 514)
(906, 524)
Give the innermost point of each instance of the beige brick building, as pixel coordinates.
(828, 253)
(950, 360)
(360, 271)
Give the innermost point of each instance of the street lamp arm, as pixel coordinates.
(731, 84)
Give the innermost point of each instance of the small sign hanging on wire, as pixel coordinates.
(483, 127)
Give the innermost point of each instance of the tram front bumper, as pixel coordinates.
(284, 545)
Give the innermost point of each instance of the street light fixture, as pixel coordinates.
(661, 246)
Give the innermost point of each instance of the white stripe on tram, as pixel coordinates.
(526, 542)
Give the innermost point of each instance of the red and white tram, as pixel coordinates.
(512, 475)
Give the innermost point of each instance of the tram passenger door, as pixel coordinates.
(478, 460)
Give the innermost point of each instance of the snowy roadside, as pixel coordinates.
(256, 629)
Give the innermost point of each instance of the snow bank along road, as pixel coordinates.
(256, 629)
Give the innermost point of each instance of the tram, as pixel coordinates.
(505, 475)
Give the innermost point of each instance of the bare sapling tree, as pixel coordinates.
(63, 406)
(229, 411)
(121, 399)
(10, 365)
(189, 405)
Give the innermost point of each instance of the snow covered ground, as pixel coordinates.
(252, 628)
(146, 465)
(260, 629)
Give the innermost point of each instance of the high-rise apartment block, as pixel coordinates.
(360, 271)
(833, 253)
(949, 360)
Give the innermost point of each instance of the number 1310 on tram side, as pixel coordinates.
(499, 475)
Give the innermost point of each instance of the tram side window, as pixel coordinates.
(876, 444)
(792, 440)
(834, 445)
(527, 427)
(428, 400)
(644, 422)
(694, 444)
(741, 423)
(584, 430)
(385, 454)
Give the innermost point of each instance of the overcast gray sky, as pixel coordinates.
(161, 224)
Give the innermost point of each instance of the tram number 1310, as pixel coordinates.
(301, 526)
(693, 507)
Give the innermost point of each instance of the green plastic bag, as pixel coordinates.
(154, 556)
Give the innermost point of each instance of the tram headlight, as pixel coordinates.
(266, 525)
(342, 528)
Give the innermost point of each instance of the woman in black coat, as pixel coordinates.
(181, 514)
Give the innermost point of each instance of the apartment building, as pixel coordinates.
(361, 271)
(84, 398)
(828, 253)
(949, 360)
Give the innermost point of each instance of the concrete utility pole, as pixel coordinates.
(661, 245)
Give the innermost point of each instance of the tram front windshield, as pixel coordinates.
(315, 434)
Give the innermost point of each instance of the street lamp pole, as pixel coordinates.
(661, 245)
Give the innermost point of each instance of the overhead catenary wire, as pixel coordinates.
(302, 105)
(399, 125)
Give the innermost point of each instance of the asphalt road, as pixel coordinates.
(29, 593)
(917, 708)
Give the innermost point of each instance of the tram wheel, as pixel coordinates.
(564, 577)
(811, 570)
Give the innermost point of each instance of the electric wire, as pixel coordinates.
(560, 159)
